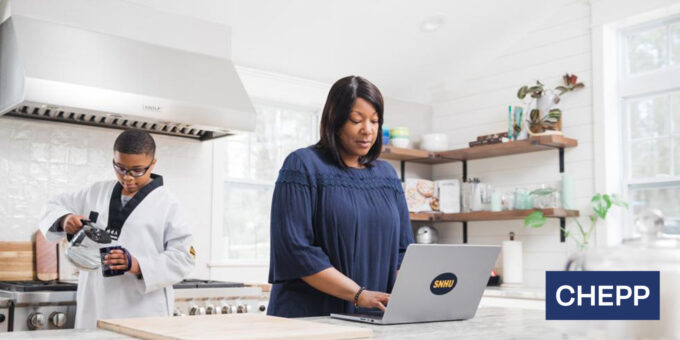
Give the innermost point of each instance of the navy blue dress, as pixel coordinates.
(323, 216)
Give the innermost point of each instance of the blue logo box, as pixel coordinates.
(602, 295)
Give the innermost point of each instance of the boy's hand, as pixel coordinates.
(118, 261)
(72, 224)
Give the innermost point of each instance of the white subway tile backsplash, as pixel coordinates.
(39, 160)
(77, 155)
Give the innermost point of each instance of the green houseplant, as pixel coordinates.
(600, 203)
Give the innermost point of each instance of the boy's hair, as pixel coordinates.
(135, 142)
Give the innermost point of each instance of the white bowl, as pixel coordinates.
(399, 142)
(434, 142)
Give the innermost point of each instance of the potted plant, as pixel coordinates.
(600, 203)
(545, 118)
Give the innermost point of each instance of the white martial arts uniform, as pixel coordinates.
(153, 229)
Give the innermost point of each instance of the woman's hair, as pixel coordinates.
(341, 99)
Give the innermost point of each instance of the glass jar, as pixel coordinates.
(545, 197)
(508, 200)
(521, 199)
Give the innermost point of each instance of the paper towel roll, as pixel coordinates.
(512, 262)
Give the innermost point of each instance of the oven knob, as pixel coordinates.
(228, 309)
(2, 318)
(58, 319)
(36, 321)
(195, 310)
(263, 308)
(210, 309)
(243, 308)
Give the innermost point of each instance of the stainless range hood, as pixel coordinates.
(62, 73)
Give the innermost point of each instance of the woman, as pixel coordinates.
(339, 221)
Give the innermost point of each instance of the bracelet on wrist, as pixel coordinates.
(356, 296)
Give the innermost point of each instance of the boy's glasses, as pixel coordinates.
(132, 172)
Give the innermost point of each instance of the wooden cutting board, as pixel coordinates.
(16, 261)
(45, 258)
(230, 326)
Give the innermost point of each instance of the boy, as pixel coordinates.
(145, 219)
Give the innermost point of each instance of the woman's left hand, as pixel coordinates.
(118, 261)
(371, 299)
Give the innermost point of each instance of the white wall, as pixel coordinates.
(150, 24)
(561, 44)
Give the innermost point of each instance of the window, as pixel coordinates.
(246, 168)
(649, 89)
(652, 48)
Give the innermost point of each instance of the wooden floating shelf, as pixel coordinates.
(531, 144)
(490, 215)
(410, 155)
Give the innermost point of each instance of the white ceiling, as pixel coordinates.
(381, 40)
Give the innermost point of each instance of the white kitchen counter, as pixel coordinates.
(76, 334)
(489, 323)
(515, 293)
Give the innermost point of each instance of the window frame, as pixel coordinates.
(219, 181)
(647, 84)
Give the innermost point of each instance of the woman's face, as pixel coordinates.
(359, 132)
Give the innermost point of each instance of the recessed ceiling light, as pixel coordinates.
(432, 23)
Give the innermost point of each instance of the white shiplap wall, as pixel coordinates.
(561, 44)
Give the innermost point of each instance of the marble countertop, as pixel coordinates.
(515, 293)
(489, 323)
(80, 334)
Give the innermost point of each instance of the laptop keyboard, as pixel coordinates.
(375, 316)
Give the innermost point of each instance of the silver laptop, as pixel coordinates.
(436, 282)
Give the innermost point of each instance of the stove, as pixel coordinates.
(5, 305)
(36, 286)
(199, 297)
(195, 283)
(36, 305)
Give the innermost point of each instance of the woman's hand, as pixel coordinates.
(372, 299)
(335, 283)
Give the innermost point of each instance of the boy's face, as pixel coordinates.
(131, 164)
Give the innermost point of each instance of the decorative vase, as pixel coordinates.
(544, 104)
